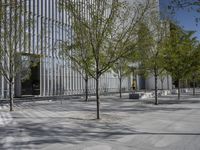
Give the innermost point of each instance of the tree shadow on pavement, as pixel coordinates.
(37, 135)
(170, 100)
(40, 130)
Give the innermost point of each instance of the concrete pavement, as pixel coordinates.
(125, 125)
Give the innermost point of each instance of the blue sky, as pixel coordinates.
(185, 18)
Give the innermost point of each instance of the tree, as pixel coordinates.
(107, 28)
(77, 63)
(11, 28)
(78, 56)
(152, 38)
(190, 6)
(195, 79)
(122, 70)
(194, 73)
(178, 54)
(85, 76)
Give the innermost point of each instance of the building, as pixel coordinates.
(44, 26)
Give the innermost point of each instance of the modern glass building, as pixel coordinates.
(45, 25)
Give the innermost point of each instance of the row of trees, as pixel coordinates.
(109, 35)
(173, 52)
(103, 33)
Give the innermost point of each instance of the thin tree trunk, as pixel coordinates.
(179, 91)
(167, 82)
(156, 87)
(86, 88)
(97, 85)
(120, 87)
(97, 98)
(194, 92)
(11, 95)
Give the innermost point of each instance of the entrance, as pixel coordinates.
(30, 75)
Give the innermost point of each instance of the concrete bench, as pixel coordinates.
(147, 95)
(134, 96)
(141, 95)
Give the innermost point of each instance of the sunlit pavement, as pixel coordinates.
(125, 125)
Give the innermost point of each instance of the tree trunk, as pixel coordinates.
(11, 95)
(120, 87)
(156, 87)
(97, 98)
(86, 88)
(167, 82)
(179, 91)
(194, 92)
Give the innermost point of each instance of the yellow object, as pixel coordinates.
(134, 84)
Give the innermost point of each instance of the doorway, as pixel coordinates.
(30, 75)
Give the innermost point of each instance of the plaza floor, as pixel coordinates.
(125, 125)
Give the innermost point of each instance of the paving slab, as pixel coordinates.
(125, 124)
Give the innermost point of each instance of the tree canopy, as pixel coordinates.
(105, 29)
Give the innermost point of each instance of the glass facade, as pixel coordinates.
(45, 27)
